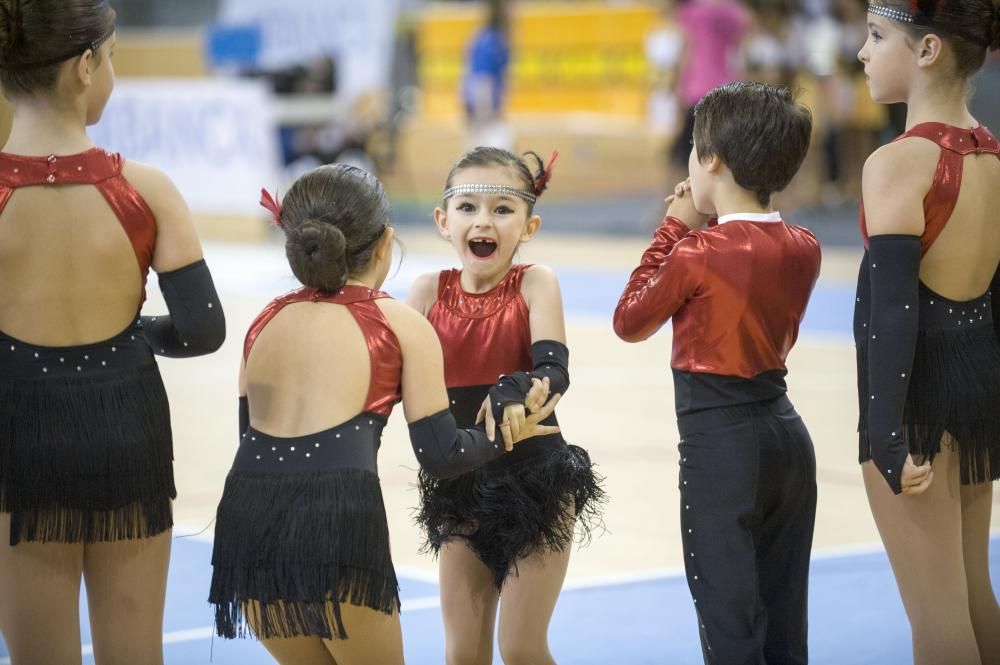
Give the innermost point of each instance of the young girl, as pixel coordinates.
(86, 475)
(509, 525)
(926, 323)
(301, 541)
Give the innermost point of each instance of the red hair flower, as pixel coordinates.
(543, 179)
(269, 203)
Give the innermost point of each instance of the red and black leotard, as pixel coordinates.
(736, 293)
(927, 364)
(483, 336)
(100, 169)
(516, 504)
(85, 439)
(363, 431)
(302, 524)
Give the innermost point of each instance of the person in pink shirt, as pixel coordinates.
(713, 34)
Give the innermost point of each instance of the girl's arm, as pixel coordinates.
(195, 324)
(244, 419)
(893, 192)
(517, 394)
(995, 301)
(549, 354)
(423, 293)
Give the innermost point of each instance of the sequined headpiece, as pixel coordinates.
(922, 13)
(92, 46)
(890, 12)
(530, 197)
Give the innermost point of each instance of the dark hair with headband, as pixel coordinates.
(969, 27)
(37, 36)
(332, 217)
(534, 180)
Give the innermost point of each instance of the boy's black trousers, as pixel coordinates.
(748, 505)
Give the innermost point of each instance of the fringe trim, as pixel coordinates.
(291, 548)
(88, 459)
(236, 616)
(954, 389)
(508, 513)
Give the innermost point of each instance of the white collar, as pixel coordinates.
(751, 217)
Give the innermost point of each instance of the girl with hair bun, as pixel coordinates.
(505, 529)
(301, 552)
(926, 323)
(86, 462)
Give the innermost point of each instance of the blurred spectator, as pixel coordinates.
(664, 45)
(770, 49)
(714, 31)
(485, 82)
(854, 123)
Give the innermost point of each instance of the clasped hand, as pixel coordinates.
(521, 421)
(680, 205)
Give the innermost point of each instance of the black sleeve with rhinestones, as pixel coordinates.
(995, 300)
(549, 359)
(196, 324)
(244, 414)
(892, 339)
(445, 451)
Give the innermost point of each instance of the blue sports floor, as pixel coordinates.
(855, 618)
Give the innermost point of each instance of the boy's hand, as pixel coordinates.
(681, 206)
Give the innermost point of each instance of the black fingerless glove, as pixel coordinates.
(196, 324)
(549, 359)
(894, 266)
(445, 451)
(995, 301)
(244, 414)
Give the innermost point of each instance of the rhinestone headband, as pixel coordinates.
(923, 19)
(890, 12)
(93, 46)
(489, 189)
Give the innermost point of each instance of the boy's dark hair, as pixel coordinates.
(488, 156)
(759, 131)
(38, 36)
(332, 217)
(969, 27)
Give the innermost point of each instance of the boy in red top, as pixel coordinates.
(737, 291)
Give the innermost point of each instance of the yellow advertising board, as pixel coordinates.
(568, 56)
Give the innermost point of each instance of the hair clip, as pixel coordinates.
(926, 7)
(270, 203)
(891, 12)
(489, 189)
(543, 179)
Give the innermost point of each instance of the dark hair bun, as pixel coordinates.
(993, 35)
(316, 252)
(11, 31)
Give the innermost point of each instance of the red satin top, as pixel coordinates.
(483, 335)
(736, 292)
(94, 167)
(940, 200)
(384, 352)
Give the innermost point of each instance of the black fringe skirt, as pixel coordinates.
(86, 450)
(954, 389)
(528, 501)
(290, 548)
